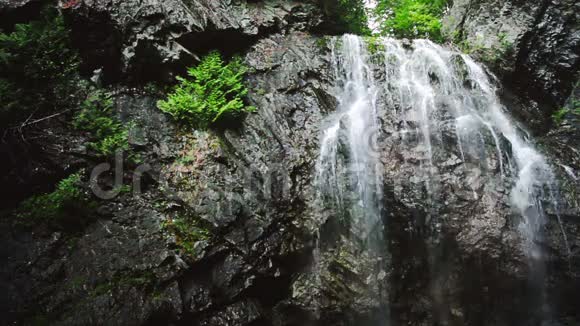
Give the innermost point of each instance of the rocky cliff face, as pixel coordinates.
(533, 47)
(142, 40)
(252, 187)
(268, 255)
(126, 268)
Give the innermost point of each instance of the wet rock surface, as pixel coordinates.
(534, 47)
(261, 232)
(146, 40)
(268, 255)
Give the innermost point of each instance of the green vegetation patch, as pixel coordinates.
(323, 42)
(97, 118)
(374, 44)
(142, 280)
(188, 230)
(411, 18)
(574, 109)
(214, 92)
(68, 200)
(38, 67)
(352, 15)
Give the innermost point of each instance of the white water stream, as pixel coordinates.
(354, 121)
(429, 86)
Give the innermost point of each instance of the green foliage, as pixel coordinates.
(352, 15)
(505, 44)
(68, 197)
(214, 92)
(97, 117)
(374, 44)
(411, 18)
(188, 231)
(573, 109)
(322, 42)
(38, 67)
(559, 115)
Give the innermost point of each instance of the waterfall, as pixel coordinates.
(433, 83)
(356, 190)
(428, 88)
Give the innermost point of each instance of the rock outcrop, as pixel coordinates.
(534, 47)
(143, 40)
(251, 188)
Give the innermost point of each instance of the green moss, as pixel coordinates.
(188, 231)
(505, 44)
(495, 55)
(213, 93)
(38, 67)
(67, 201)
(142, 280)
(573, 110)
(323, 42)
(139, 280)
(374, 44)
(411, 18)
(500, 52)
(71, 243)
(97, 118)
(260, 91)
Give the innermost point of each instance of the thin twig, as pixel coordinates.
(25, 124)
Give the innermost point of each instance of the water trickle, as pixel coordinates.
(569, 172)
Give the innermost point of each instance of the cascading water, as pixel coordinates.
(347, 170)
(422, 124)
(428, 87)
(434, 84)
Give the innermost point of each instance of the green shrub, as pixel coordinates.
(352, 15)
(97, 117)
(411, 18)
(213, 92)
(54, 206)
(347, 16)
(38, 66)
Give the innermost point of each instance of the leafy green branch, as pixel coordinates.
(213, 93)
